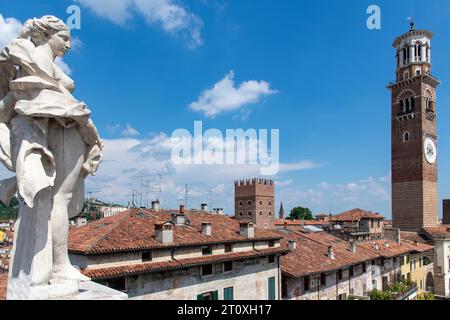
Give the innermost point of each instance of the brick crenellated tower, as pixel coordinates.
(255, 200)
(414, 134)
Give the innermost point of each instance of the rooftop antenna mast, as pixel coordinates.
(210, 200)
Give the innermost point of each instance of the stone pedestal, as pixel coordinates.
(94, 291)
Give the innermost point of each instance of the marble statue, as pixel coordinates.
(48, 139)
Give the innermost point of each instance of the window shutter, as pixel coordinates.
(200, 296)
(215, 295)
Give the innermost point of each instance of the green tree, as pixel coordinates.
(301, 213)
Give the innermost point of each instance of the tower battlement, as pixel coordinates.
(254, 181)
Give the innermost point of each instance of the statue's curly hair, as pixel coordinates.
(38, 30)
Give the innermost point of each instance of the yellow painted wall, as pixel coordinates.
(2, 236)
(415, 270)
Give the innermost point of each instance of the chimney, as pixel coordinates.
(156, 206)
(218, 211)
(292, 245)
(81, 221)
(446, 212)
(247, 229)
(164, 233)
(352, 247)
(204, 207)
(206, 228)
(386, 244)
(179, 218)
(330, 253)
(416, 243)
(376, 246)
(399, 238)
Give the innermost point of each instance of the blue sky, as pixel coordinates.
(316, 72)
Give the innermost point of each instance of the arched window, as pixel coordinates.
(406, 136)
(241, 203)
(260, 203)
(406, 105)
(241, 214)
(406, 75)
(260, 213)
(249, 213)
(270, 213)
(249, 202)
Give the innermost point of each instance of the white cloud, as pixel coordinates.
(9, 30)
(63, 65)
(225, 96)
(371, 194)
(171, 16)
(129, 131)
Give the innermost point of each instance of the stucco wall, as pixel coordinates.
(249, 280)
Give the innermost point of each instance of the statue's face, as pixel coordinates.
(60, 42)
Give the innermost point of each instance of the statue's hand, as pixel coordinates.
(94, 158)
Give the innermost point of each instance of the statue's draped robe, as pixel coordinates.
(42, 149)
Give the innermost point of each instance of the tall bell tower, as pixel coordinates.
(414, 134)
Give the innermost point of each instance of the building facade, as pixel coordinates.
(181, 256)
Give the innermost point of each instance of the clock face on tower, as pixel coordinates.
(430, 151)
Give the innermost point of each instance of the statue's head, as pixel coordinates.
(48, 30)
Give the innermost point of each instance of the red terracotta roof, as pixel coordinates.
(311, 254)
(412, 236)
(394, 248)
(126, 270)
(292, 223)
(356, 215)
(134, 230)
(441, 231)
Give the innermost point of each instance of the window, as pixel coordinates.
(270, 203)
(270, 213)
(306, 283)
(249, 213)
(228, 293)
(241, 203)
(249, 202)
(373, 262)
(418, 72)
(406, 137)
(406, 75)
(207, 270)
(351, 271)
(206, 250)
(228, 266)
(364, 268)
(272, 259)
(340, 275)
(260, 203)
(323, 279)
(240, 213)
(228, 248)
(407, 259)
(260, 213)
(117, 284)
(146, 256)
(212, 295)
(271, 243)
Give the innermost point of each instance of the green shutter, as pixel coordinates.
(200, 296)
(272, 288)
(228, 293)
(215, 295)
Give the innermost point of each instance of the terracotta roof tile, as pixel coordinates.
(291, 223)
(135, 230)
(108, 272)
(311, 255)
(355, 215)
(441, 231)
